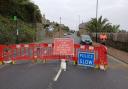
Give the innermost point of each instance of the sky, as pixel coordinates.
(73, 12)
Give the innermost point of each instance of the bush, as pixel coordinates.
(8, 31)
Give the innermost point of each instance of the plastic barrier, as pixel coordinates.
(44, 51)
(1, 53)
(23, 51)
(100, 54)
(102, 57)
(2, 47)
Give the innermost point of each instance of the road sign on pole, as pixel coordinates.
(86, 59)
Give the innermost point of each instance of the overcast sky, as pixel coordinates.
(116, 11)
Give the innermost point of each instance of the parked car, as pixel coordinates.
(86, 40)
(68, 36)
(69, 33)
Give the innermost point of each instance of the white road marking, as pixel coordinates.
(58, 74)
(126, 65)
(62, 67)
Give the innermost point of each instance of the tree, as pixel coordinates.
(115, 28)
(23, 9)
(66, 28)
(28, 15)
(20, 1)
(102, 25)
(99, 24)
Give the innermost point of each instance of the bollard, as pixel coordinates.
(63, 64)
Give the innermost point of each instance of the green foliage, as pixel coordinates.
(102, 25)
(20, 1)
(26, 33)
(66, 28)
(27, 14)
(8, 31)
(23, 9)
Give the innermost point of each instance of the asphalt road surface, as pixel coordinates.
(28, 75)
(40, 76)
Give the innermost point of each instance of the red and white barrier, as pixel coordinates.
(44, 51)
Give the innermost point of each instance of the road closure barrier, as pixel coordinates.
(45, 51)
(2, 49)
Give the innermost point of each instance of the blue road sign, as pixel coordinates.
(86, 59)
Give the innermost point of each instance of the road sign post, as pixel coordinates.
(86, 59)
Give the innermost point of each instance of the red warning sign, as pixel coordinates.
(63, 46)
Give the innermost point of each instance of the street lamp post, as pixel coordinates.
(96, 18)
(79, 21)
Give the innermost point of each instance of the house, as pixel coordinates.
(82, 28)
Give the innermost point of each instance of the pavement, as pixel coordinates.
(118, 54)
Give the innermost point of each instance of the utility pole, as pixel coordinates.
(79, 21)
(96, 18)
(60, 20)
(60, 28)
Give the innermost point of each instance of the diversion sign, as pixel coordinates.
(63, 46)
(86, 59)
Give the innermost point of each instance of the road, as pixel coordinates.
(27, 75)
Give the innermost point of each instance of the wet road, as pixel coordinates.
(40, 76)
